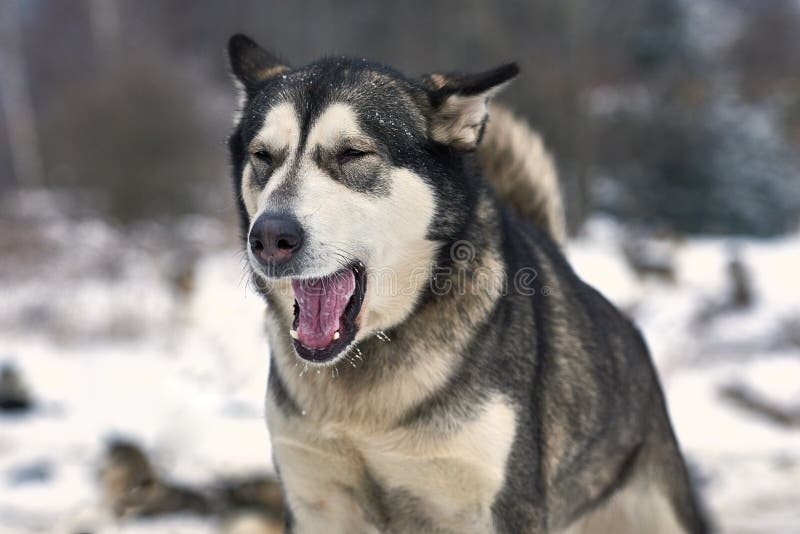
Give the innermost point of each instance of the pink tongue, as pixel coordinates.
(322, 302)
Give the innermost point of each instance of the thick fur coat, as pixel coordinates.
(473, 383)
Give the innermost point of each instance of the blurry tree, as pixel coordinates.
(684, 152)
(765, 54)
(645, 119)
(15, 101)
(121, 120)
(140, 143)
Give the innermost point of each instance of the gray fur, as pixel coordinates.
(490, 408)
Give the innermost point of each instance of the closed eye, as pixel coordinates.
(262, 156)
(350, 154)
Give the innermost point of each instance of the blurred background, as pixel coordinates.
(132, 359)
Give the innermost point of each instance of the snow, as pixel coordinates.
(122, 356)
(110, 348)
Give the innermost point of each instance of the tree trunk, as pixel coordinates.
(15, 99)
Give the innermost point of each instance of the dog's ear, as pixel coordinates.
(459, 104)
(251, 64)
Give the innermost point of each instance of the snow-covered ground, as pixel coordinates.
(124, 336)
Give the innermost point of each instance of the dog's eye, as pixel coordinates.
(263, 156)
(350, 154)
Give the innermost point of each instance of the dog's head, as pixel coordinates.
(350, 178)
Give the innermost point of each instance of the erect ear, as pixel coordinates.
(251, 64)
(460, 104)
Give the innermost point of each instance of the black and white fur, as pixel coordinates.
(484, 407)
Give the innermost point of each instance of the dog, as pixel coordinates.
(436, 365)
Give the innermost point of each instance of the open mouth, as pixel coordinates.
(325, 311)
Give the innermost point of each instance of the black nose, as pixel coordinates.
(275, 238)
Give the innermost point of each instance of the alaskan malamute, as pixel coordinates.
(436, 364)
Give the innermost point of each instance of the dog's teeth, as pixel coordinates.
(336, 335)
(293, 333)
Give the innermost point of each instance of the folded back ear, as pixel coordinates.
(460, 104)
(251, 64)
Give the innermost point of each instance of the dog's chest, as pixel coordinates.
(435, 477)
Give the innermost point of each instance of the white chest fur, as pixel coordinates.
(441, 475)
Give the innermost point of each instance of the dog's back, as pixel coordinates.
(522, 174)
(652, 486)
